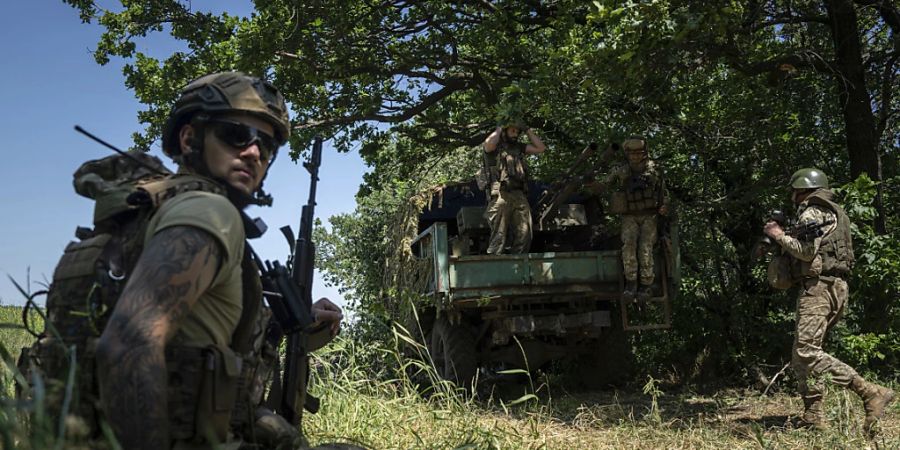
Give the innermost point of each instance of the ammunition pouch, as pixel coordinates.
(242, 416)
(618, 203)
(836, 247)
(512, 168)
(82, 270)
(807, 269)
(640, 197)
(837, 257)
(638, 194)
(779, 272)
(202, 389)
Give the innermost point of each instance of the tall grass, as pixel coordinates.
(380, 396)
(382, 407)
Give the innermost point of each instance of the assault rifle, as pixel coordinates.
(288, 291)
(803, 231)
(572, 180)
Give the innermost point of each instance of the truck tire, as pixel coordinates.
(610, 364)
(453, 351)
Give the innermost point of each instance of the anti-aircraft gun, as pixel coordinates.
(572, 181)
(562, 300)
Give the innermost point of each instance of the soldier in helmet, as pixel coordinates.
(508, 211)
(171, 359)
(822, 265)
(639, 196)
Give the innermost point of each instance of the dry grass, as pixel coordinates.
(593, 421)
(390, 415)
(361, 406)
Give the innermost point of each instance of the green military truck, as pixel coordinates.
(561, 300)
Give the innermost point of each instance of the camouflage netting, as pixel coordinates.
(405, 275)
(403, 270)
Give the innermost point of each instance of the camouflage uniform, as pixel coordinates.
(820, 305)
(508, 211)
(640, 193)
(638, 239)
(820, 265)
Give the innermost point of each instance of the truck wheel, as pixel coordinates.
(453, 351)
(610, 364)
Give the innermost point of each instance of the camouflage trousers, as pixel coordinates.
(509, 216)
(819, 307)
(638, 239)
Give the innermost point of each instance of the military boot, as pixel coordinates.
(875, 398)
(813, 413)
(630, 289)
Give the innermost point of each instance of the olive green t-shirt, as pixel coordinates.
(214, 317)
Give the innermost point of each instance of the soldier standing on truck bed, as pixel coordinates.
(508, 212)
(639, 197)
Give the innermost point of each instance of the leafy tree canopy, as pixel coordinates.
(732, 95)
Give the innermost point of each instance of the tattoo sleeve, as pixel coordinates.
(175, 268)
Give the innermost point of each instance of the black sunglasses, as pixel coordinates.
(241, 136)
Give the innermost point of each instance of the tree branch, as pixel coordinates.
(786, 20)
(889, 13)
(426, 102)
(778, 64)
(887, 82)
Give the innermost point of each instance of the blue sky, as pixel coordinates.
(49, 84)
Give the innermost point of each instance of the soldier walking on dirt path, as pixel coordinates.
(508, 211)
(820, 265)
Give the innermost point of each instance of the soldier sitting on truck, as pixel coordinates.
(508, 211)
(640, 195)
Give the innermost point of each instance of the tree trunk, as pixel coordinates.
(856, 104)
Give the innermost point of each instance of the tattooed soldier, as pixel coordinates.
(640, 195)
(820, 265)
(172, 359)
(508, 212)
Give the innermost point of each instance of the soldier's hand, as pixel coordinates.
(325, 311)
(773, 230)
(664, 210)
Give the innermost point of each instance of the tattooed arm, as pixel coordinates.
(175, 268)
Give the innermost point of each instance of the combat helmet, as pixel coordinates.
(809, 178)
(636, 143)
(226, 92)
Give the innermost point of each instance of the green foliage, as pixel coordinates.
(870, 339)
(732, 96)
